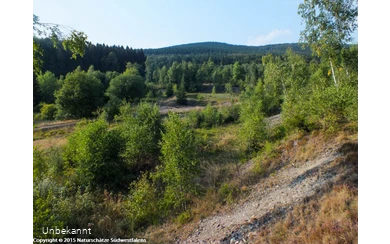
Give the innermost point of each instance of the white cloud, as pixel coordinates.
(272, 37)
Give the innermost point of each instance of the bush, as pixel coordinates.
(184, 217)
(179, 163)
(169, 90)
(211, 117)
(141, 133)
(80, 95)
(228, 192)
(112, 108)
(181, 97)
(230, 114)
(39, 164)
(333, 105)
(142, 204)
(213, 91)
(200, 96)
(195, 118)
(254, 127)
(48, 84)
(296, 112)
(93, 151)
(127, 86)
(277, 133)
(48, 111)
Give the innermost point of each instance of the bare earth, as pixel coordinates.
(271, 197)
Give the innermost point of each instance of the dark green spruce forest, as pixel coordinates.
(158, 140)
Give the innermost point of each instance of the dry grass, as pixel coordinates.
(53, 133)
(328, 218)
(318, 221)
(54, 122)
(225, 140)
(160, 234)
(50, 142)
(333, 218)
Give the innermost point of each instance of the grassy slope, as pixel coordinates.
(319, 218)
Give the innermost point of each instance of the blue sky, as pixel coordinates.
(153, 23)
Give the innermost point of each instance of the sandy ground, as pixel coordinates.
(272, 196)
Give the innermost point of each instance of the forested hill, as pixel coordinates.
(102, 57)
(225, 48)
(114, 58)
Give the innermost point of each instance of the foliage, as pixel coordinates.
(75, 41)
(141, 132)
(211, 117)
(48, 84)
(253, 129)
(328, 27)
(181, 97)
(230, 113)
(103, 57)
(48, 111)
(184, 217)
(80, 95)
(169, 90)
(179, 163)
(334, 104)
(112, 108)
(142, 204)
(215, 48)
(39, 164)
(37, 58)
(94, 151)
(128, 86)
(228, 192)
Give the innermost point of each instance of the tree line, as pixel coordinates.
(102, 57)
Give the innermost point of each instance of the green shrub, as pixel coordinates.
(211, 117)
(48, 111)
(278, 132)
(112, 108)
(195, 118)
(128, 86)
(44, 214)
(213, 91)
(142, 204)
(181, 97)
(254, 128)
(169, 90)
(184, 217)
(80, 95)
(141, 132)
(93, 151)
(200, 96)
(39, 164)
(333, 105)
(48, 84)
(296, 112)
(230, 114)
(180, 166)
(228, 192)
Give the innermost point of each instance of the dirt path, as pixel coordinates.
(56, 125)
(163, 110)
(287, 187)
(178, 109)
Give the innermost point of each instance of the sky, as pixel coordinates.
(159, 23)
